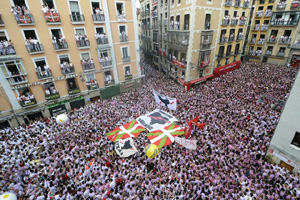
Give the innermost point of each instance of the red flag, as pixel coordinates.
(195, 122)
(188, 130)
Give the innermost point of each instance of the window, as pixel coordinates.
(86, 61)
(58, 40)
(206, 39)
(123, 34)
(127, 71)
(179, 1)
(186, 22)
(7, 47)
(71, 83)
(50, 91)
(228, 52)
(26, 98)
(237, 48)
(177, 23)
(207, 22)
(91, 82)
(97, 12)
(108, 78)
(14, 71)
(49, 3)
(281, 51)
(296, 139)
(66, 65)
(95, 5)
(105, 57)
(32, 42)
(125, 54)
(19, 3)
(76, 15)
(121, 11)
(81, 38)
(42, 68)
(221, 51)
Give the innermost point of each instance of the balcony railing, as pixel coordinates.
(268, 13)
(268, 53)
(29, 102)
(82, 43)
(44, 74)
(154, 13)
(154, 26)
(67, 69)
(35, 48)
(10, 50)
(228, 3)
(280, 54)
(237, 52)
(60, 45)
(126, 59)
(256, 27)
(239, 38)
(264, 27)
(16, 79)
(284, 40)
(281, 6)
(221, 55)
(52, 96)
(259, 13)
(284, 23)
(261, 41)
(231, 38)
(52, 18)
(92, 86)
(237, 3)
(87, 66)
(234, 22)
(225, 22)
(246, 4)
(147, 12)
(128, 77)
(73, 91)
(242, 22)
(105, 63)
(26, 19)
(272, 40)
(223, 40)
(110, 82)
(121, 17)
(252, 41)
(124, 38)
(102, 41)
(295, 5)
(97, 18)
(179, 40)
(77, 18)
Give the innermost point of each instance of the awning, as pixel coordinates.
(28, 112)
(226, 68)
(204, 78)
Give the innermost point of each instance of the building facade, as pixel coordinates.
(274, 33)
(59, 55)
(183, 39)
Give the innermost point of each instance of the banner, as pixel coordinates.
(226, 68)
(131, 129)
(189, 144)
(156, 120)
(125, 148)
(165, 136)
(162, 100)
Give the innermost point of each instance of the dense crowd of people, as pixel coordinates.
(45, 160)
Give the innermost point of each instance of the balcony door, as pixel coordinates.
(75, 10)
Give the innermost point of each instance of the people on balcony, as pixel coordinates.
(19, 12)
(258, 52)
(33, 45)
(253, 40)
(272, 38)
(105, 60)
(66, 67)
(108, 78)
(123, 37)
(177, 25)
(259, 13)
(281, 5)
(99, 14)
(44, 71)
(6, 48)
(268, 12)
(171, 25)
(82, 40)
(25, 97)
(285, 39)
(91, 82)
(261, 41)
(101, 38)
(226, 19)
(88, 64)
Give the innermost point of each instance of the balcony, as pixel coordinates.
(77, 18)
(52, 18)
(178, 63)
(154, 13)
(264, 27)
(123, 38)
(239, 38)
(279, 22)
(281, 5)
(67, 69)
(121, 17)
(29, 102)
(268, 53)
(87, 66)
(252, 53)
(237, 3)
(223, 40)
(231, 38)
(272, 40)
(6, 51)
(179, 40)
(268, 13)
(126, 59)
(73, 91)
(234, 22)
(228, 3)
(296, 45)
(34, 48)
(147, 12)
(220, 55)
(52, 96)
(25, 19)
(109, 82)
(98, 18)
(228, 54)
(242, 22)
(252, 41)
(166, 22)
(83, 44)
(284, 40)
(237, 52)
(280, 54)
(259, 13)
(225, 22)
(154, 27)
(128, 77)
(60, 46)
(15, 79)
(106, 63)
(256, 27)
(261, 41)
(102, 40)
(43, 74)
(92, 86)
(246, 4)
(295, 5)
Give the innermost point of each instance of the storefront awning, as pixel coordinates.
(201, 79)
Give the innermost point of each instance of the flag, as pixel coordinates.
(165, 136)
(131, 129)
(125, 147)
(162, 100)
(195, 122)
(189, 144)
(188, 129)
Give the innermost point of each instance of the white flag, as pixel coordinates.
(125, 147)
(162, 100)
(189, 144)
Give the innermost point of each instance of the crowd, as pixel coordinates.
(45, 160)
